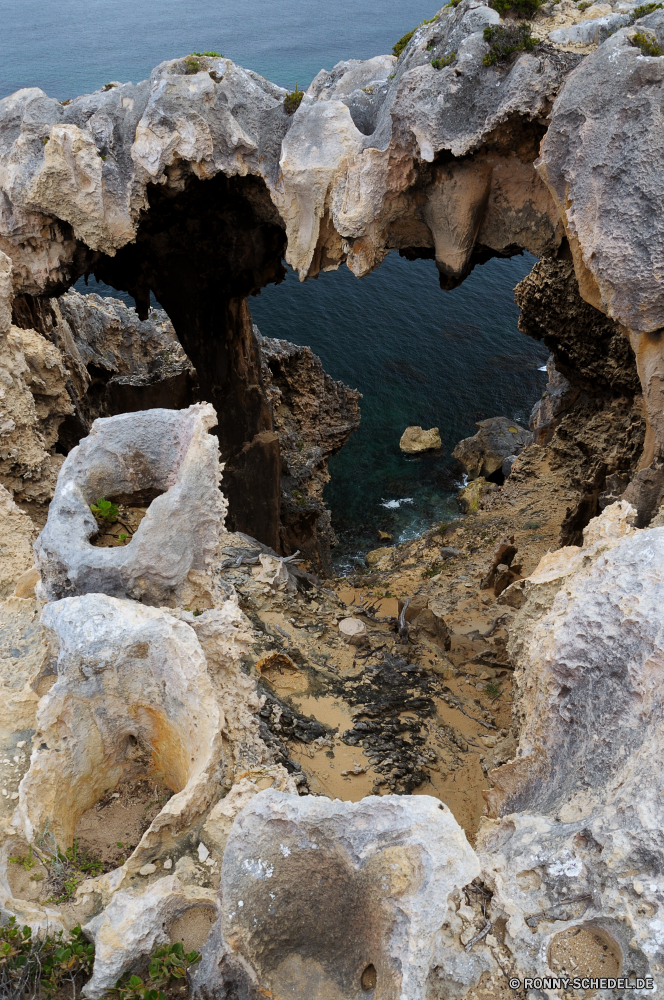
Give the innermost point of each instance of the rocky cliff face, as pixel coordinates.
(597, 429)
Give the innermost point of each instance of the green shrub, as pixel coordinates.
(211, 55)
(443, 61)
(505, 42)
(191, 65)
(293, 100)
(646, 8)
(647, 44)
(403, 41)
(32, 966)
(433, 570)
(521, 8)
(167, 963)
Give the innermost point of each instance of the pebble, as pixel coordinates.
(147, 869)
(203, 853)
(21, 743)
(168, 863)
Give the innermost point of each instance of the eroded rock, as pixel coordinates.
(415, 439)
(386, 867)
(167, 455)
(484, 453)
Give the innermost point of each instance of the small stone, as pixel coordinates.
(168, 864)
(353, 631)
(21, 743)
(373, 557)
(147, 870)
(14, 795)
(384, 536)
(203, 853)
(638, 886)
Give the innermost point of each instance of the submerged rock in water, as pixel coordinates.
(414, 439)
(484, 452)
(334, 899)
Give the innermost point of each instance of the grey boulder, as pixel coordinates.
(484, 452)
(166, 456)
(331, 900)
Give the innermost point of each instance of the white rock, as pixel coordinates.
(353, 631)
(171, 451)
(389, 866)
(147, 870)
(203, 852)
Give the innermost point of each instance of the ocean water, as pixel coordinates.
(419, 355)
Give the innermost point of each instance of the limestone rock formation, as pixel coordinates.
(167, 459)
(17, 533)
(327, 898)
(484, 452)
(314, 416)
(594, 426)
(574, 843)
(415, 439)
(470, 496)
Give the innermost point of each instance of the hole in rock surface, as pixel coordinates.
(369, 978)
(586, 950)
(192, 927)
(112, 828)
(132, 508)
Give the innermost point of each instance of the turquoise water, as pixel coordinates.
(418, 354)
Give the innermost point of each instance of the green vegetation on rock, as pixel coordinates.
(443, 61)
(521, 8)
(191, 65)
(644, 9)
(211, 55)
(505, 42)
(293, 100)
(403, 41)
(42, 966)
(647, 44)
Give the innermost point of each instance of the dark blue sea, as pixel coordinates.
(418, 354)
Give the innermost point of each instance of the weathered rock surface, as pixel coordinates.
(116, 362)
(415, 439)
(387, 868)
(593, 422)
(33, 403)
(17, 533)
(469, 497)
(574, 841)
(484, 452)
(314, 416)
(166, 456)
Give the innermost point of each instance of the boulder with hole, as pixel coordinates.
(167, 455)
(329, 899)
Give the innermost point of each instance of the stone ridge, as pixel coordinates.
(81, 172)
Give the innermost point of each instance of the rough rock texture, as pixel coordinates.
(116, 362)
(386, 868)
(17, 533)
(167, 457)
(129, 678)
(415, 439)
(314, 416)
(469, 497)
(598, 429)
(484, 452)
(33, 403)
(575, 842)
(194, 185)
